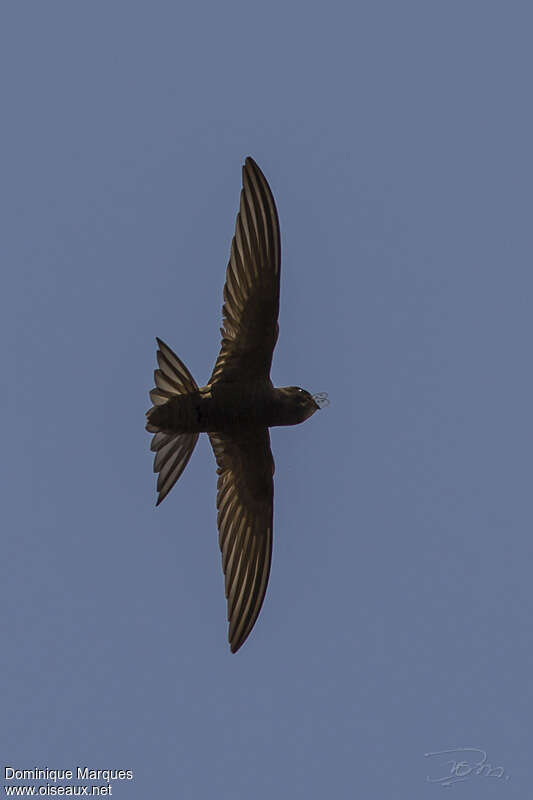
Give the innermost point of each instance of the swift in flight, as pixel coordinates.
(236, 408)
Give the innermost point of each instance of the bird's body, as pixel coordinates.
(225, 407)
(236, 408)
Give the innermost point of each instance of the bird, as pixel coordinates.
(236, 407)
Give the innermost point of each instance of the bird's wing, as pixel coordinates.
(172, 450)
(251, 293)
(245, 498)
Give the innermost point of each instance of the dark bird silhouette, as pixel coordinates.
(236, 408)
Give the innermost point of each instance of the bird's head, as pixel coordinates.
(299, 403)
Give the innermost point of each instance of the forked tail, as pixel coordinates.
(172, 450)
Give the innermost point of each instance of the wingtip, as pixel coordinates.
(250, 163)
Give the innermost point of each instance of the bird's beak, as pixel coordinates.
(321, 399)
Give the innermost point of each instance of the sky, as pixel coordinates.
(396, 138)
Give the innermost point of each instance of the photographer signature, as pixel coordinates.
(477, 764)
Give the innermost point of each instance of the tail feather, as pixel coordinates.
(171, 378)
(172, 450)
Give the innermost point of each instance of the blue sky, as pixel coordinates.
(396, 138)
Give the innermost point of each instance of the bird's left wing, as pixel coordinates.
(245, 497)
(251, 292)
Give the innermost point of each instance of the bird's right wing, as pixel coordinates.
(251, 292)
(245, 498)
